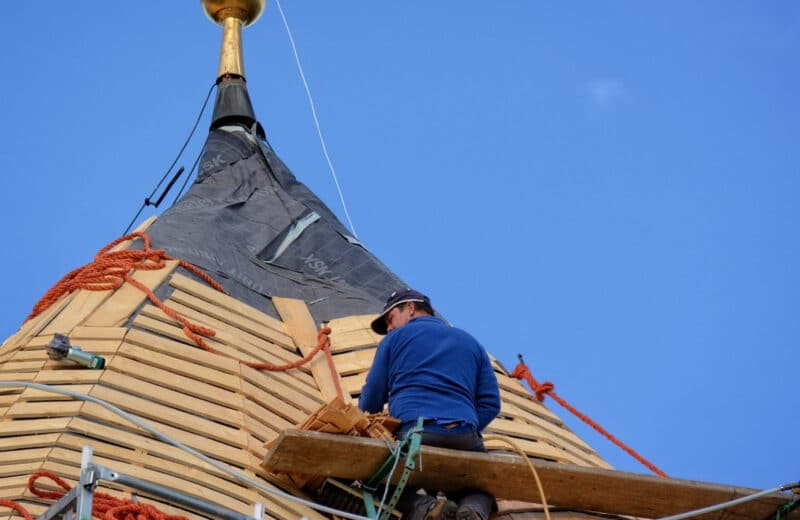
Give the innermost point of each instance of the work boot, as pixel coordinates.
(467, 513)
(442, 509)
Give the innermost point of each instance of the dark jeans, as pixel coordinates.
(412, 505)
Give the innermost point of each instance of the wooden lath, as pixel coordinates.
(207, 401)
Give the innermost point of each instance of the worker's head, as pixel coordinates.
(398, 310)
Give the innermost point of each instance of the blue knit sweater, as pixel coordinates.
(427, 368)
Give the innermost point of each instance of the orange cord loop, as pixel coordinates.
(541, 390)
(104, 506)
(110, 269)
(16, 506)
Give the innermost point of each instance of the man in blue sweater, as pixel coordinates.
(425, 368)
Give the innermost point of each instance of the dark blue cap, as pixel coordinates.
(396, 298)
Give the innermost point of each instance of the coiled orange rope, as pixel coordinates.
(110, 269)
(541, 390)
(104, 506)
(14, 506)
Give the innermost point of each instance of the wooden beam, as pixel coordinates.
(508, 477)
(301, 327)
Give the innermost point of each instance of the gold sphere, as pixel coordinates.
(247, 11)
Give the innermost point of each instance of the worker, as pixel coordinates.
(426, 368)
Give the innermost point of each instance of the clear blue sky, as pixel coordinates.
(609, 188)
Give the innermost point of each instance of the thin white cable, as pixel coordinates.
(270, 490)
(316, 120)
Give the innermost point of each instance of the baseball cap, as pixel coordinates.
(396, 298)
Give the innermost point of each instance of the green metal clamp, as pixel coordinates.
(408, 449)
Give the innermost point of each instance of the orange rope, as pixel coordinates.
(542, 390)
(104, 506)
(15, 506)
(110, 269)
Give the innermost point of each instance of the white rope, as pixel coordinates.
(169, 440)
(316, 119)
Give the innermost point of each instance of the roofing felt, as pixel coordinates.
(252, 225)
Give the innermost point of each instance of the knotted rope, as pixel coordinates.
(110, 269)
(104, 506)
(541, 390)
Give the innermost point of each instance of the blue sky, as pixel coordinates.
(609, 188)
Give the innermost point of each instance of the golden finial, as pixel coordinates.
(232, 15)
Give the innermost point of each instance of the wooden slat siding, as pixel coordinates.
(301, 327)
(530, 404)
(169, 415)
(22, 455)
(36, 395)
(257, 429)
(211, 295)
(68, 377)
(204, 444)
(27, 355)
(507, 476)
(21, 366)
(511, 384)
(355, 361)
(541, 450)
(238, 345)
(83, 305)
(18, 376)
(184, 401)
(32, 426)
(265, 418)
(172, 380)
(182, 348)
(593, 458)
(251, 323)
(125, 300)
(227, 353)
(38, 342)
(354, 340)
(564, 436)
(34, 326)
(353, 384)
(257, 449)
(20, 468)
(16, 482)
(296, 396)
(93, 346)
(106, 440)
(562, 432)
(529, 431)
(545, 450)
(277, 404)
(6, 400)
(212, 376)
(251, 347)
(28, 441)
(92, 332)
(38, 409)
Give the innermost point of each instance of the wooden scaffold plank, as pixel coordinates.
(508, 476)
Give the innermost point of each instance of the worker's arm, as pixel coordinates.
(487, 394)
(375, 392)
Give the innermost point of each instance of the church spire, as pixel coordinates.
(232, 105)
